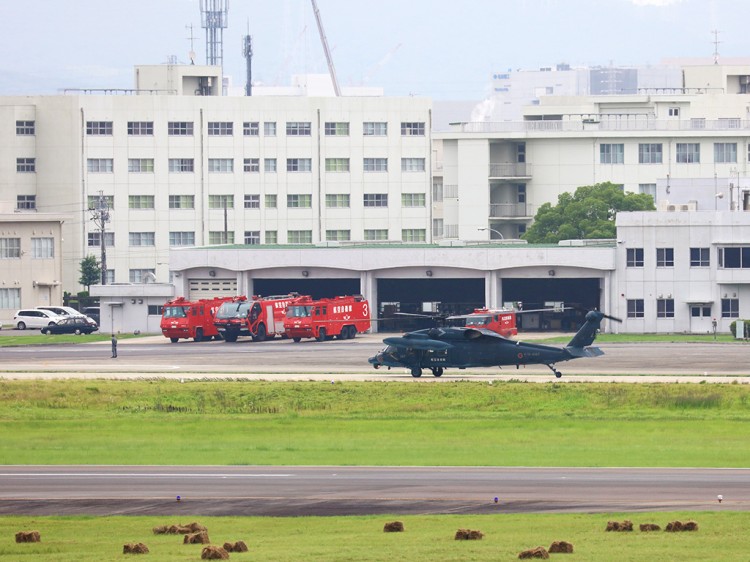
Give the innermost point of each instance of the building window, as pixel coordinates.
(220, 128)
(155, 309)
(337, 129)
(99, 165)
(10, 248)
(412, 199)
(730, 308)
(413, 235)
(140, 128)
(251, 128)
(99, 128)
(412, 164)
(10, 298)
(376, 234)
(272, 237)
(271, 201)
(299, 201)
(635, 308)
(182, 201)
(376, 200)
(337, 201)
(337, 164)
(252, 201)
(700, 311)
(94, 239)
(24, 128)
(338, 235)
(182, 238)
(299, 237)
(665, 308)
(438, 227)
(299, 164)
(221, 201)
(688, 152)
(216, 237)
(269, 165)
(25, 164)
(269, 129)
(140, 201)
(664, 257)
(140, 165)
(725, 152)
(141, 239)
(180, 128)
(698, 123)
(375, 129)
(251, 165)
(634, 257)
(25, 202)
(252, 237)
(700, 257)
(414, 129)
(298, 129)
(181, 165)
(734, 257)
(221, 165)
(648, 189)
(42, 248)
(674, 111)
(141, 275)
(650, 153)
(611, 153)
(97, 201)
(375, 165)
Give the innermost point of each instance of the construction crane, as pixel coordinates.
(323, 39)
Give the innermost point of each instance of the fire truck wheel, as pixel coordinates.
(297, 340)
(260, 334)
(352, 332)
(174, 340)
(322, 334)
(231, 338)
(198, 335)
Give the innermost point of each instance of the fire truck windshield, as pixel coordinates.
(233, 310)
(175, 311)
(478, 320)
(298, 311)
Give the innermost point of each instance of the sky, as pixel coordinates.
(443, 49)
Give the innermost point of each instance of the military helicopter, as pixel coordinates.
(441, 348)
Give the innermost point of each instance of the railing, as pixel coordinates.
(510, 210)
(510, 170)
(603, 123)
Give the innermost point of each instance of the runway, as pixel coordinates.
(325, 491)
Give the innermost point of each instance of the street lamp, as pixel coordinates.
(500, 234)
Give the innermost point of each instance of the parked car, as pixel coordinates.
(93, 313)
(72, 325)
(67, 311)
(34, 318)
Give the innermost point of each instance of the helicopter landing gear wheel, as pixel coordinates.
(437, 371)
(416, 372)
(558, 374)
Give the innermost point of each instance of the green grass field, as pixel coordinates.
(425, 538)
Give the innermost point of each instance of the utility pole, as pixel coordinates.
(100, 216)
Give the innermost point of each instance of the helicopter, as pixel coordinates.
(441, 348)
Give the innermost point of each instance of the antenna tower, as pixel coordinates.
(716, 42)
(214, 21)
(247, 52)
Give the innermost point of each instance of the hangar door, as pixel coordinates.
(210, 288)
(316, 288)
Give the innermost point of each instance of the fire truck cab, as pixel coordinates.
(501, 321)
(260, 318)
(341, 317)
(184, 319)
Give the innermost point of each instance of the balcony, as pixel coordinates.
(510, 170)
(511, 210)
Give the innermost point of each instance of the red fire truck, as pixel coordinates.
(259, 318)
(181, 318)
(341, 317)
(502, 321)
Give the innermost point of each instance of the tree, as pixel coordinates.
(588, 213)
(91, 271)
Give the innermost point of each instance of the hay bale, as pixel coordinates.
(178, 530)
(626, 525)
(28, 536)
(690, 526)
(196, 538)
(674, 527)
(538, 552)
(560, 547)
(160, 530)
(238, 546)
(393, 527)
(214, 553)
(468, 535)
(196, 527)
(134, 548)
(646, 527)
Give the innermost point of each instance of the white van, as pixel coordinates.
(34, 318)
